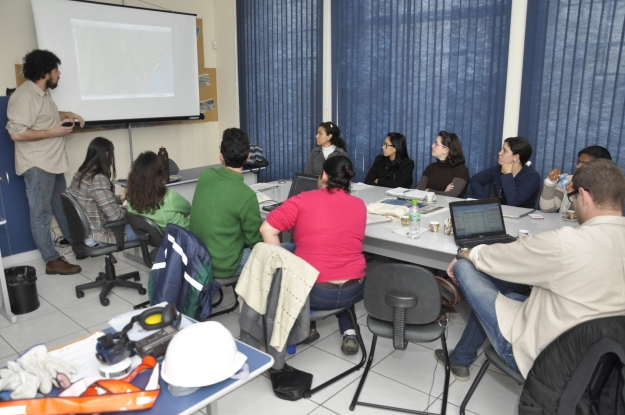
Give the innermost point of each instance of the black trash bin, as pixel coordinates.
(22, 288)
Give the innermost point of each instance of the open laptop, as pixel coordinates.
(301, 183)
(478, 222)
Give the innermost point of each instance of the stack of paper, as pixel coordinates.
(408, 193)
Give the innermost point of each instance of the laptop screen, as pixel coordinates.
(303, 183)
(477, 219)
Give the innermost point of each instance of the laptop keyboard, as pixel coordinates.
(500, 240)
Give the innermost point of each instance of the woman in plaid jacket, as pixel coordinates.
(94, 190)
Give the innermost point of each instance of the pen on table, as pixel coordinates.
(406, 191)
(527, 213)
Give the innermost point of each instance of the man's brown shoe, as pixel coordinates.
(61, 266)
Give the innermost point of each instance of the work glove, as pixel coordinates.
(23, 384)
(34, 370)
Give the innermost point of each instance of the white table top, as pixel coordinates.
(431, 249)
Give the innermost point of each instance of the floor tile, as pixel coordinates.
(324, 366)
(23, 335)
(322, 411)
(495, 395)
(62, 294)
(4, 360)
(6, 349)
(379, 390)
(423, 373)
(91, 312)
(452, 409)
(132, 294)
(256, 397)
(98, 327)
(45, 308)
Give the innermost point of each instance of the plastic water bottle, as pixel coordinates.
(562, 181)
(414, 220)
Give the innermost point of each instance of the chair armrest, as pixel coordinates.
(118, 228)
(400, 301)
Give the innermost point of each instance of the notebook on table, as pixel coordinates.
(301, 183)
(478, 222)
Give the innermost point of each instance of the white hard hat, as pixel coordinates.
(201, 354)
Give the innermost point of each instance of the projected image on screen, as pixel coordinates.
(122, 60)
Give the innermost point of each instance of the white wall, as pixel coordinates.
(190, 145)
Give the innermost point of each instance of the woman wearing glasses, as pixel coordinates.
(512, 181)
(448, 176)
(392, 168)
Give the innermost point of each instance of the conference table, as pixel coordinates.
(431, 249)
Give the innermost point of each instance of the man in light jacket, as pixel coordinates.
(577, 274)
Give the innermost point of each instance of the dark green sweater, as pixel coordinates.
(226, 217)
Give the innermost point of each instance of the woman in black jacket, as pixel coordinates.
(393, 168)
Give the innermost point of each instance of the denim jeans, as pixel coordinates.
(130, 236)
(481, 291)
(43, 191)
(289, 246)
(246, 254)
(325, 298)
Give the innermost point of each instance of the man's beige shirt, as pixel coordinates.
(31, 108)
(577, 274)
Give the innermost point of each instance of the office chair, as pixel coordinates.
(581, 372)
(80, 231)
(322, 315)
(226, 282)
(491, 357)
(404, 304)
(150, 235)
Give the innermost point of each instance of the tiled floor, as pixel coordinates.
(409, 378)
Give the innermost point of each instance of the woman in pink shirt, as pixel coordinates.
(328, 230)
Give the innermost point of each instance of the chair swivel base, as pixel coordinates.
(107, 280)
(226, 282)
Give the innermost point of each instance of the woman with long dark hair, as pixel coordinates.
(328, 230)
(93, 189)
(392, 168)
(147, 195)
(329, 144)
(448, 176)
(512, 180)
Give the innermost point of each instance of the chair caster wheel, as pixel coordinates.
(80, 294)
(137, 278)
(105, 301)
(142, 291)
(98, 279)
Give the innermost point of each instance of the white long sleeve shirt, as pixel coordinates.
(577, 275)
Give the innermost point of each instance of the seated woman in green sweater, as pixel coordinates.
(147, 195)
(447, 176)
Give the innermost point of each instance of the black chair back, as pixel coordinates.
(76, 218)
(403, 281)
(149, 233)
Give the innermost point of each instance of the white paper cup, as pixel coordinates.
(434, 226)
(404, 220)
(430, 197)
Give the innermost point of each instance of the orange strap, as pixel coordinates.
(105, 395)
